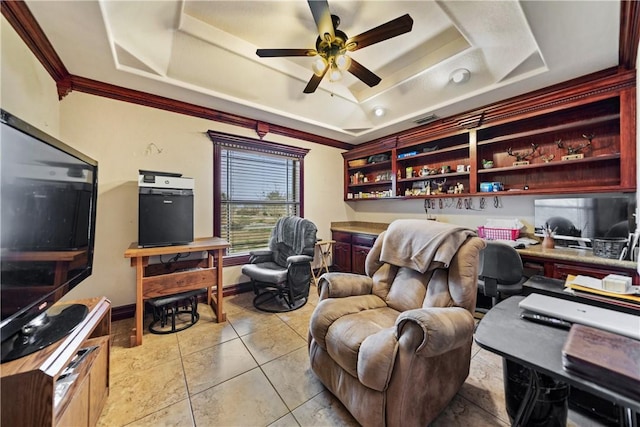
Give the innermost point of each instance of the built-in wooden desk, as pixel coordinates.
(559, 262)
(151, 285)
(355, 238)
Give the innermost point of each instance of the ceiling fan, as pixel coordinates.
(333, 44)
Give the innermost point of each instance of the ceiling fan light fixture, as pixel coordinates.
(342, 61)
(332, 44)
(319, 65)
(335, 74)
(460, 75)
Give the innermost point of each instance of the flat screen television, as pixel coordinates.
(577, 221)
(48, 194)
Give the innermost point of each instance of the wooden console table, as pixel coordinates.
(159, 284)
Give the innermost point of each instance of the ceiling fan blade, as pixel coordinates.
(322, 17)
(382, 32)
(363, 73)
(314, 82)
(270, 53)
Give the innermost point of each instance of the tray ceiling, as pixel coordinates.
(203, 52)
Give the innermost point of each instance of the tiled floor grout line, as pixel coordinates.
(493, 416)
(260, 366)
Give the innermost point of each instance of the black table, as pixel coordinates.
(539, 347)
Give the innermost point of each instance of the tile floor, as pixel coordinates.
(253, 370)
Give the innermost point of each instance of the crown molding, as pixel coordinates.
(629, 33)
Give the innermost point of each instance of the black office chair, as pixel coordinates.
(501, 272)
(281, 276)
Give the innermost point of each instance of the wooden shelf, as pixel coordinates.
(604, 107)
(553, 164)
(566, 126)
(359, 199)
(369, 184)
(378, 165)
(435, 177)
(453, 148)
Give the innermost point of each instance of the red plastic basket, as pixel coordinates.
(498, 233)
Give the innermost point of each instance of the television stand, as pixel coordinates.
(44, 330)
(66, 383)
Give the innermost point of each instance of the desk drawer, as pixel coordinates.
(341, 236)
(561, 271)
(364, 239)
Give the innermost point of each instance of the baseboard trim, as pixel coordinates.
(128, 311)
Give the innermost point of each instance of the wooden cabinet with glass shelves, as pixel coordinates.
(577, 139)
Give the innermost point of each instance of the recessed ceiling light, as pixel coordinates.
(460, 75)
(379, 111)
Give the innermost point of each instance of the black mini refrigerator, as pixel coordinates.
(165, 215)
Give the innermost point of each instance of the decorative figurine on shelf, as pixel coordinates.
(548, 158)
(522, 158)
(440, 185)
(574, 153)
(487, 164)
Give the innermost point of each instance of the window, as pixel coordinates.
(255, 183)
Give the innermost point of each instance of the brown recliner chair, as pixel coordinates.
(395, 345)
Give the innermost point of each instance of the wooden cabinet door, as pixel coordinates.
(358, 257)
(77, 413)
(99, 382)
(360, 246)
(342, 257)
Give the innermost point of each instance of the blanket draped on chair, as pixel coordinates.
(291, 231)
(407, 244)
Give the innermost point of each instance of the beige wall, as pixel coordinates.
(119, 136)
(26, 90)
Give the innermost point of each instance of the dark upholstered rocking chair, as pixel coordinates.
(281, 276)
